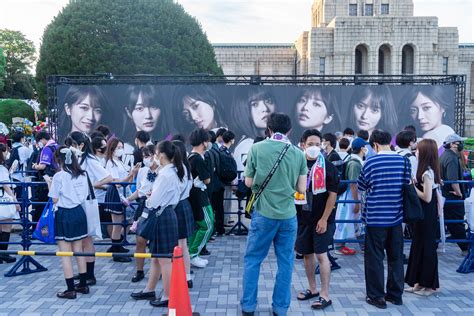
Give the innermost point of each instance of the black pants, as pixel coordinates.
(457, 230)
(217, 203)
(377, 241)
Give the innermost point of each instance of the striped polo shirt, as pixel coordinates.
(382, 178)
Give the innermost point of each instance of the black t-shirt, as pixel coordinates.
(451, 170)
(137, 156)
(197, 197)
(319, 200)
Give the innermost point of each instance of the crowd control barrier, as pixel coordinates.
(27, 264)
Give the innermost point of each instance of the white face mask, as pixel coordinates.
(324, 146)
(147, 162)
(118, 153)
(313, 152)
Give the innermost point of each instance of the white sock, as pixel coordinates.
(164, 297)
(188, 277)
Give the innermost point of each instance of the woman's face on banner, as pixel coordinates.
(260, 109)
(312, 111)
(84, 115)
(145, 116)
(367, 114)
(199, 113)
(428, 113)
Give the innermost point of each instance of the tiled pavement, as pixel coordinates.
(217, 288)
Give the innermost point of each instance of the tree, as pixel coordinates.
(20, 56)
(123, 37)
(2, 70)
(15, 108)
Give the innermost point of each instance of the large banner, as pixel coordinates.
(164, 110)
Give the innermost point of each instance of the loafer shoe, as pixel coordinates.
(394, 301)
(122, 259)
(379, 303)
(70, 295)
(143, 295)
(82, 289)
(159, 303)
(138, 277)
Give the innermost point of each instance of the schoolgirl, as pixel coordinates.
(145, 179)
(114, 200)
(99, 178)
(6, 209)
(69, 189)
(164, 197)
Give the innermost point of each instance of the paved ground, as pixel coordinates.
(217, 288)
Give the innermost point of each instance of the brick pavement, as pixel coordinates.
(217, 288)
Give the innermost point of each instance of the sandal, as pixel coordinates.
(424, 292)
(321, 303)
(307, 295)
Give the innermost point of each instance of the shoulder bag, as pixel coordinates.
(254, 197)
(412, 210)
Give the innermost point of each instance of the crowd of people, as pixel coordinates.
(176, 192)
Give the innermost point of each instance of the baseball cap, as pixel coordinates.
(358, 143)
(454, 138)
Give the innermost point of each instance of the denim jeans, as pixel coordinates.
(263, 231)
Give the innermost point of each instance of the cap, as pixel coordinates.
(358, 143)
(454, 138)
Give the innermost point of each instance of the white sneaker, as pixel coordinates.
(198, 262)
(204, 260)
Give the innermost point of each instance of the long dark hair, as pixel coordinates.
(111, 146)
(150, 98)
(435, 93)
(173, 154)
(428, 158)
(73, 168)
(3, 149)
(81, 138)
(382, 97)
(200, 93)
(73, 96)
(182, 149)
(241, 113)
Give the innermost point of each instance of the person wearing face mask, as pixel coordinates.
(406, 142)
(350, 211)
(451, 170)
(198, 197)
(145, 178)
(99, 148)
(113, 199)
(316, 227)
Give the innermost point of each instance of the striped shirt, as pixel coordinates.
(382, 178)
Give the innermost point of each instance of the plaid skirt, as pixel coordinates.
(166, 232)
(70, 224)
(184, 214)
(113, 204)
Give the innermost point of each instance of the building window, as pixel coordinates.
(445, 65)
(369, 10)
(385, 9)
(361, 60)
(322, 65)
(385, 60)
(353, 9)
(408, 60)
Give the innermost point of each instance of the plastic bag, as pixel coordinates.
(45, 227)
(469, 208)
(441, 200)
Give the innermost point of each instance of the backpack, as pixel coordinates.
(227, 170)
(341, 166)
(211, 158)
(14, 155)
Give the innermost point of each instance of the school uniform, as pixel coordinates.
(145, 180)
(70, 219)
(183, 210)
(164, 197)
(117, 170)
(5, 236)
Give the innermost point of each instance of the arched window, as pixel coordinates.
(385, 60)
(408, 60)
(361, 60)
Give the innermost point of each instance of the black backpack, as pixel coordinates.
(14, 155)
(227, 170)
(341, 166)
(211, 157)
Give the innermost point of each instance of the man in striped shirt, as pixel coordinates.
(382, 178)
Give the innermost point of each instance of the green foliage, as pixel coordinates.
(20, 55)
(123, 37)
(2, 70)
(15, 108)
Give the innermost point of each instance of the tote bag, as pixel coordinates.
(44, 230)
(91, 208)
(7, 211)
(412, 209)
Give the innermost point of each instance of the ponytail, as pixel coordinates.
(173, 154)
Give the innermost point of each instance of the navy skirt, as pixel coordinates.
(184, 214)
(147, 224)
(113, 204)
(70, 224)
(166, 232)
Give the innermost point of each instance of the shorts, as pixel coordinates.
(308, 241)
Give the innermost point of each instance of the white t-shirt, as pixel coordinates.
(69, 191)
(185, 185)
(96, 173)
(430, 174)
(240, 153)
(144, 186)
(24, 153)
(4, 174)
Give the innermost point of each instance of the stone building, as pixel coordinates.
(370, 37)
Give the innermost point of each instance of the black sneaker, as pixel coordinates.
(379, 303)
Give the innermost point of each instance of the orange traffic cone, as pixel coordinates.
(179, 302)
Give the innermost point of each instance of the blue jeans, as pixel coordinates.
(263, 231)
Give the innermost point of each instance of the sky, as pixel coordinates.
(238, 21)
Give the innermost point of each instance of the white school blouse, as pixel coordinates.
(144, 186)
(96, 173)
(166, 189)
(69, 191)
(185, 185)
